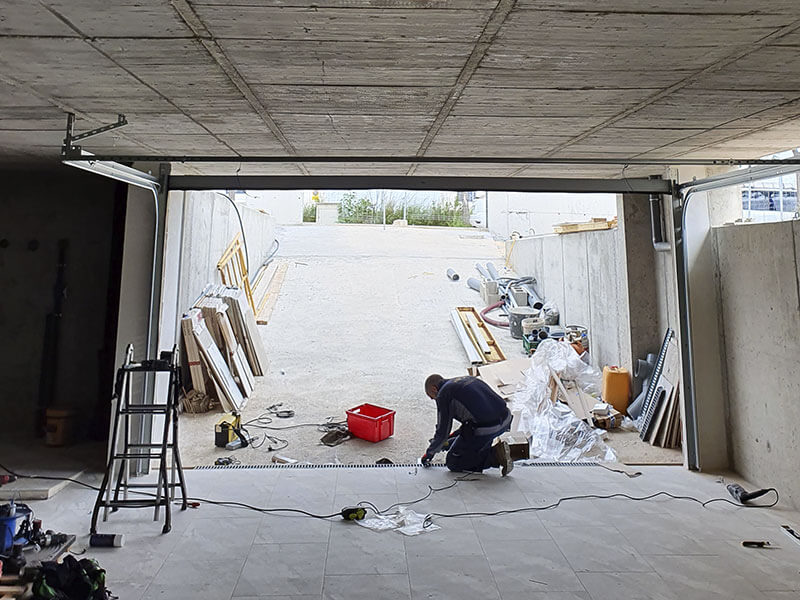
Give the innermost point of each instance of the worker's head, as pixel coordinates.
(432, 385)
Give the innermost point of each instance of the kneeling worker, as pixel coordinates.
(483, 415)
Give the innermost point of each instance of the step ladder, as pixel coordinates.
(124, 453)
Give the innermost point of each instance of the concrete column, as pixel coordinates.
(640, 331)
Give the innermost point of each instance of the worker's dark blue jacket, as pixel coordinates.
(472, 402)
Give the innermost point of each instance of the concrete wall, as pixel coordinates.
(758, 269)
(580, 273)
(535, 214)
(38, 209)
(285, 206)
(208, 224)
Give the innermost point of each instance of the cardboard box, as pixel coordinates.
(520, 444)
(610, 421)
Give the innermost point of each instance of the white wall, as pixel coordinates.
(535, 214)
(285, 206)
(204, 223)
(579, 272)
(759, 298)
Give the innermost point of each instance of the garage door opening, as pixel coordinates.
(351, 293)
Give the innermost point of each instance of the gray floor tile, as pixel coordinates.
(703, 578)
(207, 539)
(491, 488)
(659, 534)
(569, 514)
(381, 500)
(355, 550)
(445, 578)
(195, 579)
(366, 587)
(288, 569)
(770, 569)
(442, 501)
(362, 481)
(530, 566)
(279, 529)
(456, 537)
(631, 586)
(598, 549)
(545, 596)
(303, 597)
(129, 590)
(517, 526)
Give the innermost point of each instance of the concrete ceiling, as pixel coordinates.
(551, 78)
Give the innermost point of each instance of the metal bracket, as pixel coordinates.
(70, 148)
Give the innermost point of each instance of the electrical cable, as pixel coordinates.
(241, 226)
(430, 516)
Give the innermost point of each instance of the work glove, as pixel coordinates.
(426, 460)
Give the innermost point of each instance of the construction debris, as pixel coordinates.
(557, 433)
(659, 421)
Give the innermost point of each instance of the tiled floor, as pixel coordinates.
(584, 549)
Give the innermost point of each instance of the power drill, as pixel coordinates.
(743, 496)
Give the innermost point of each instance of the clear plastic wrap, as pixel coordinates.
(557, 434)
(404, 521)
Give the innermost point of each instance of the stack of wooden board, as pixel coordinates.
(661, 413)
(223, 346)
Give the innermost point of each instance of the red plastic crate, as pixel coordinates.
(370, 422)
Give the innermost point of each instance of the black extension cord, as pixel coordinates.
(431, 490)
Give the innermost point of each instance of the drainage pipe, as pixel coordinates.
(492, 270)
(474, 284)
(453, 275)
(484, 273)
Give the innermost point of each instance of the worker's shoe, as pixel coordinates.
(502, 454)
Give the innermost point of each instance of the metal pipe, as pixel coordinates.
(657, 224)
(454, 276)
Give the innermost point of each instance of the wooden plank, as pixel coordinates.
(231, 397)
(193, 355)
(236, 358)
(270, 299)
(593, 225)
(476, 330)
(495, 354)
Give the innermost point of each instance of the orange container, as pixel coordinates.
(617, 387)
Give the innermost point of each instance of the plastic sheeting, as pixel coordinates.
(404, 521)
(557, 433)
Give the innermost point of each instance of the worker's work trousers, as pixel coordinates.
(470, 452)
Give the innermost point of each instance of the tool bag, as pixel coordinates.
(71, 580)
